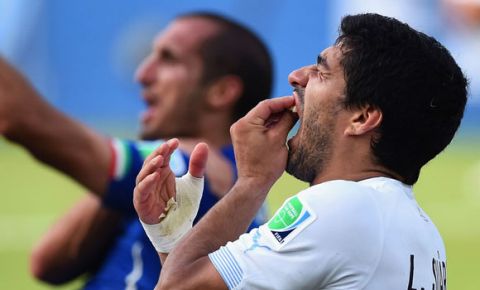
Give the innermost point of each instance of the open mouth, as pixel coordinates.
(294, 111)
(149, 100)
(297, 111)
(298, 95)
(151, 104)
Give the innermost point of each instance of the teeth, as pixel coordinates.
(293, 109)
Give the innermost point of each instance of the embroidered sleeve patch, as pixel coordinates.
(290, 219)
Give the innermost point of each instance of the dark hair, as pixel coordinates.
(412, 79)
(236, 50)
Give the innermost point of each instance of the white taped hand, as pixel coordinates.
(179, 216)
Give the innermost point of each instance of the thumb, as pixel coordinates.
(198, 160)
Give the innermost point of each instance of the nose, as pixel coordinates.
(299, 77)
(145, 73)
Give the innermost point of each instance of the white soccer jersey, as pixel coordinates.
(340, 235)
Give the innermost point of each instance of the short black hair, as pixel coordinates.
(412, 79)
(236, 50)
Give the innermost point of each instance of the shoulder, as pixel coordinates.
(342, 194)
(330, 229)
(343, 211)
(334, 207)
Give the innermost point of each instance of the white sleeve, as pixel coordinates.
(327, 235)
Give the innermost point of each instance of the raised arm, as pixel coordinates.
(51, 136)
(75, 243)
(259, 142)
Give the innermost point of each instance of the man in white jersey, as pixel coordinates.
(378, 104)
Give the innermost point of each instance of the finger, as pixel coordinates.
(163, 149)
(164, 184)
(198, 160)
(264, 110)
(144, 188)
(160, 150)
(152, 162)
(148, 208)
(171, 190)
(172, 145)
(284, 123)
(273, 119)
(149, 167)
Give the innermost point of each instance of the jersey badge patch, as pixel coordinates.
(290, 220)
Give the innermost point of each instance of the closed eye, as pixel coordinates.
(317, 72)
(322, 62)
(167, 55)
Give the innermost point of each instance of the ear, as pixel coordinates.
(364, 120)
(224, 92)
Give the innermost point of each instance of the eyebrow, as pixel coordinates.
(322, 61)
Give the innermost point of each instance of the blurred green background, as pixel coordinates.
(33, 196)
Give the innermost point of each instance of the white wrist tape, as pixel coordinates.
(179, 216)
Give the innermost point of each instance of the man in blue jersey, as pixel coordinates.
(204, 72)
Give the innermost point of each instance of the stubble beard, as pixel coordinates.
(313, 151)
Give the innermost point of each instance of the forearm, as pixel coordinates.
(68, 146)
(75, 243)
(226, 221)
(51, 136)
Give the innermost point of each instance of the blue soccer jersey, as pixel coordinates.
(132, 262)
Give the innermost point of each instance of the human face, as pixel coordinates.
(319, 93)
(171, 80)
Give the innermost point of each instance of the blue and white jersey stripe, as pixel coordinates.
(227, 266)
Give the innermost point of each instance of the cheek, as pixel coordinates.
(172, 86)
(312, 106)
(180, 83)
(172, 77)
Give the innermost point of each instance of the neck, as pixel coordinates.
(214, 130)
(359, 175)
(355, 164)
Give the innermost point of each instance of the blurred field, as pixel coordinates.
(33, 196)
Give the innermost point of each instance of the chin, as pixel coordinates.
(146, 134)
